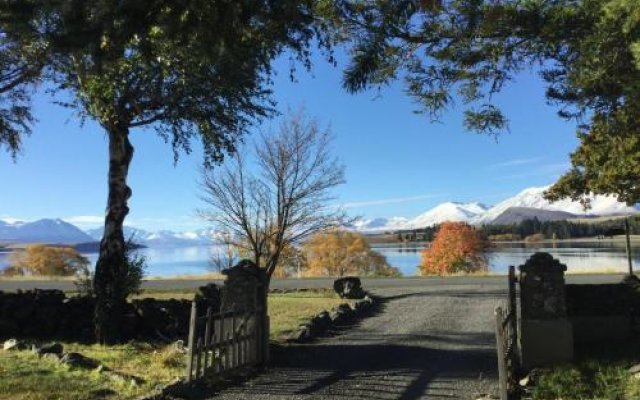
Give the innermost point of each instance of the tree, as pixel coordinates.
(282, 198)
(339, 253)
(188, 70)
(38, 259)
(21, 63)
(587, 52)
(457, 247)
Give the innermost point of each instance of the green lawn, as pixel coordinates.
(25, 376)
(600, 374)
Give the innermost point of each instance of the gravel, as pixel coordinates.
(430, 342)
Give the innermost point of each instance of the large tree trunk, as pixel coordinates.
(111, 268)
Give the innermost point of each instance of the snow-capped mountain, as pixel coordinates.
(129, 232)
(376, 224)
(51, 231)
(533, 198)
(449, 211)
(163, 238)
(529, 203)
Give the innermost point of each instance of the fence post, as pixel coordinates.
(191, 341)
(502, 366)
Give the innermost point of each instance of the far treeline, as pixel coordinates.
(565, 229)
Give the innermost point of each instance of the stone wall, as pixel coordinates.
(50, 314)
(602, 300)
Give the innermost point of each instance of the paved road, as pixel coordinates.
(422, 343)
(369, 283)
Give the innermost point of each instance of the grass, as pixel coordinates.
(600, 373)
(25, 376)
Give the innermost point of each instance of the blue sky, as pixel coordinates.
(397, 162)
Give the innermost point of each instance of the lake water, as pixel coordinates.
(596, 256)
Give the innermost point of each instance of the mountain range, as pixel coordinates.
(57, 231)
(527, 204)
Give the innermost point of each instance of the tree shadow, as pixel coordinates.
(377, 372)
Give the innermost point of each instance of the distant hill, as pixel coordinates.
(51, 231)
(514, 215)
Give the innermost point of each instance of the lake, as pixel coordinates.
(593, 256)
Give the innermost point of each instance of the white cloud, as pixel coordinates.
(515, 162)
(393, 200)
(553, 171)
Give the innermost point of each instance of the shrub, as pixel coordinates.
(537, 237)
(136, 266)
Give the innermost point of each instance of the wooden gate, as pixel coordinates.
(224, 341)
(507, 341)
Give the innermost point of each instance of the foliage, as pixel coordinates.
(21, 64)
(457, 247)
(282, 198)
(136, 266)
(565, 229)
(339, 253)
(607, 160)
(38, 259)
(587, 52)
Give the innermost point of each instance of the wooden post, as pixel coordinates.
(191, 340)
(627, 234)
(207, 338)
(199, 358)
(502, 366)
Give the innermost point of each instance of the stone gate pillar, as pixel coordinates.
(546, 334)
(245, 290)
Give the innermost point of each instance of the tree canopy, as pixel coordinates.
(586, 51)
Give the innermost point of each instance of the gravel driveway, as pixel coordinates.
(421, 343)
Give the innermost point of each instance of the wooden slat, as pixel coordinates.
(191, 341)
(207, 339)
(234, 350)
(198, 371)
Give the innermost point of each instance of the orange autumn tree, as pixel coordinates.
(456, 248)
(340, 252)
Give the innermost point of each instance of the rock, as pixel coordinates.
(53, 348)
(77, 360)
(349, 287)
(52, 356)
(634, 369)
(122, 379)
(303, 334)
(321, 322)
(13, 344)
